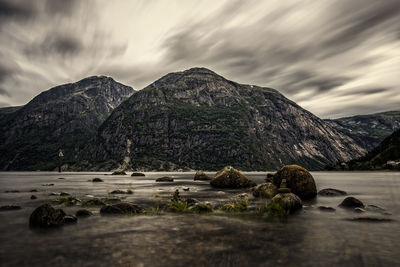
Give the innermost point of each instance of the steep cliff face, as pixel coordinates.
(198, 119)
(65, 117)
(368, 130)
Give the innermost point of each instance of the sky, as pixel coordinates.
(333, 58)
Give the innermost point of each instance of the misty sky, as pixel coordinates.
(334, 58)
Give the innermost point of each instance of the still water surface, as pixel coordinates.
(309, 238)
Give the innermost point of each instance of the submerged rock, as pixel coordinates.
(97, 180)
(351, 202)
(229, 177)
(70, 219)
(46, 216)
(326, 208)
(265, 190)
(118, 192)
(200, 175)
(33, 197)
(370, 219)
(93, 202)
(359, 210)
(121, 208)
(11, 191)
(33, 190)
(118, 173)
(137, 174)
(47, 184)
(165, 179)
(298, 180)
(331, 192)
(10, 207)
(288, 201)
(83, 213)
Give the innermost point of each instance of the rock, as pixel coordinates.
(121, 192)
(46, 216)
(97, 180)
(121, 208)
(54, 194)
(351, 202)
(33, 190)
(112, 200)
(265, 190)
(93, 202)
(64, 194)
(331, 192)
(201, 207)
(70, 219)
(10, 207)
(185, 188)
(269, 177)
(165, 179)
(47, 184)
(229, 177)
(191, 201)
(370, 219)
(375, 208)
(298, 180)
(83, 213)
(118, 173)
(137, 174)
(61, 178)
(288, 201)
(33, 197)
(11, 191)
(200, 175)
(326, 208)
(359, 210)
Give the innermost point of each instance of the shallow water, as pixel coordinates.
(309, 238)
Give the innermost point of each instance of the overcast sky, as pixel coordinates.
(334, 58)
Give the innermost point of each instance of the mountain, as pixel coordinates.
(385, 156)
(199, 120)
(368, 130)
(65, 117)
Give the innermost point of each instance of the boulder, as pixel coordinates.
(97, 180)
(118, 173)
(331, 192)
(10, 207)
(137, 174)
(229, 177)
(266, 190)
(70, 219)
(200, 175)
(165, 179)
(298, 180)
(351, 202)
(121, 208)
(289, 202)
(46, 216)
(83, 213)
(64, 194)
(33, 197)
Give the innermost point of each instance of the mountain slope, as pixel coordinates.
(198, 119)
(378, 158)
(65, 116)
(368, 130)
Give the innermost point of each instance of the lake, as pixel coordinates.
(309, 238)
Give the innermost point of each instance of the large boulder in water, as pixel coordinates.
(289, 202)
(298, 179)
(46, 216)
(229, 177)
(265, 190)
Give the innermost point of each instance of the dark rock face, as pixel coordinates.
(138, 174)
(298, 180)
(351, 202)
(266, 190)
(229, 177)
(121, 208)
(165, 179)
(10, 207)
(288, 201)
(200, 120)
(331, 192)
(46, 216)
(65, 117)
(200, 175)
(83, 213)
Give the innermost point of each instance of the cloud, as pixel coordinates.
(55, 43)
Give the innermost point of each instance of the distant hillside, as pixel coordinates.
(65, 117)
(197, 119)
(368, 130)
(385, 156)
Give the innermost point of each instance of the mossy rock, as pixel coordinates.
(229, 177)
(92, 202)
(289, 202)
(200, 175)
(46, 216)
(123, 208)
(201, 208)
(298, 179)
(265, 190)
(238, 205)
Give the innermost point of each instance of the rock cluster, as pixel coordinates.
(229, 177)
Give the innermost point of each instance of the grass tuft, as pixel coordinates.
(238, 205)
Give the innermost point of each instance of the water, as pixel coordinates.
(309, 238)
